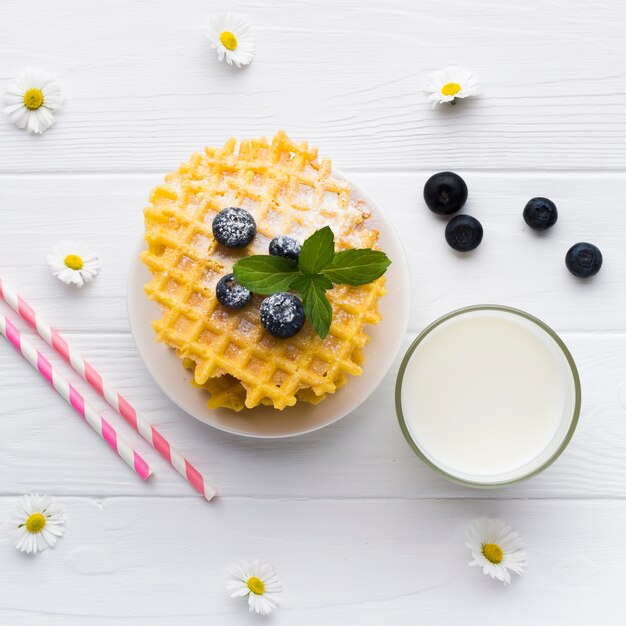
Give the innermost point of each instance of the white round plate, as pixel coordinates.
(266, 422)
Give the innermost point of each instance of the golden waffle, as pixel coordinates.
(289, 192)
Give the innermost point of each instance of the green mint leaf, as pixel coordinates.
(357, 267)
(323, 281)
(316, 305)
(317, 251)
(302, 282)
(266, 274)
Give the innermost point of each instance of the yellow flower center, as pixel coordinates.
(450, 89)
(73, 261)
(35, 523)
(493, 553)
(33, 99)
(256, 585)
(228, 40)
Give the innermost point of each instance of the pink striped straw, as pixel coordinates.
(73, 397)
(115, 399)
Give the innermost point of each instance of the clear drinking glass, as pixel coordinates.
(569, 419)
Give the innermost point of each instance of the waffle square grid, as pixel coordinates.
(289, 192)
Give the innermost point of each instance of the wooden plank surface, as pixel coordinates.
(358, 528)
(143, 89)
(513, 266)
(162, 561)
(364, 455)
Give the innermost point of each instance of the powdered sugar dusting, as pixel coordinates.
(280, 308)
(330, 200)
(333, 205)
(282, 315)
(234, 227)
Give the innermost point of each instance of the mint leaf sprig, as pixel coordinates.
(318, 268)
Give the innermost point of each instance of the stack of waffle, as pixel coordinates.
(290, 192)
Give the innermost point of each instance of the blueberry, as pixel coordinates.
(464, 233)
(285, 246)
(231, 294)
(282, 315)
(234, 227)
(445, 193)
(540, 213)
(583, 259)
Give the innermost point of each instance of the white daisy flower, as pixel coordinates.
(31, 100)
(496, 547)
(232, 37)
(449, 84)
(73, 263)
(258, 581)
(38, 523)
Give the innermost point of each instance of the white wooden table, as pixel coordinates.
(358, 529)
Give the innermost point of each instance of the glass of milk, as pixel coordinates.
(488, 395)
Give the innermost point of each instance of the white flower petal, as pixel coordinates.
(65, 275)
(239, 592)
(246, 44)
(56, 260)
(490, 530)
(24, 543)
(56, 264)
(452, 74)
(77, 278)
(236, 571)
(20, 117)
(259, 604)
(247, 567)
(38, 120)
(238, 587)
(13, 98)
(53, 102)
(252, 602)
(57, 530)
(45, 539)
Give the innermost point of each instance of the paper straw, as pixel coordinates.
(115, 399)
(73, 397)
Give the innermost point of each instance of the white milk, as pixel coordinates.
(488, 396)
